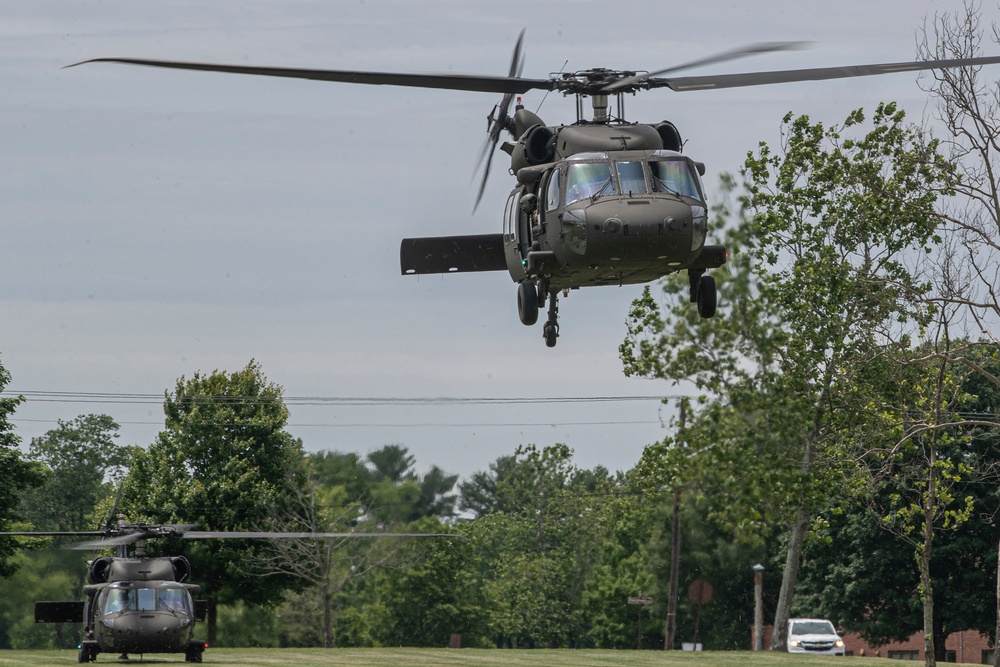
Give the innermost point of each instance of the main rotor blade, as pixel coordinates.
(55, 533)
(470, 82)
(487, 153)
(733, 54)
(222, 534)
(517, 58)
(114, 506)
(711, 82)
(500, 123)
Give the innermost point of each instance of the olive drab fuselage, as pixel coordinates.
(596, 203)
(133, 605)
(601, 203)
(607, 218)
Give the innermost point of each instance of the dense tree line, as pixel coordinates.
(551, 551)
(551, 555)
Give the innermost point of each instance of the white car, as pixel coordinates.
(814, 635)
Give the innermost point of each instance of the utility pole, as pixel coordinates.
(758, 607)
(675, 555)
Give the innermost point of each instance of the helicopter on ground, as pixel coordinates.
(143, 604)
(601, 201)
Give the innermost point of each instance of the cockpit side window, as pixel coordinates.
(588, 179)
(631, 178)
(509, 216)
(675, 177)
(552, 197)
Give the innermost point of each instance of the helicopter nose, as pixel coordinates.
(640, 229)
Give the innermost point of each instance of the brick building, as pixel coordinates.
(968, 646)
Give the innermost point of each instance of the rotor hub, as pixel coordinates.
(597, 81)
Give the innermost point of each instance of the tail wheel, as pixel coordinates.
(527, 302)
(551, 334)
(707, 298)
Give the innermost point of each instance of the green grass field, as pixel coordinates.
(385, 657)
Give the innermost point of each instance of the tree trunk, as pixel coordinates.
(927, 598)
(779, 637)
(670, 627)
(327, 619)
(924, 557)
(940, 635)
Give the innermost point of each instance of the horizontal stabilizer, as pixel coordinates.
(59, 612)
(452, 254)
(711, 257)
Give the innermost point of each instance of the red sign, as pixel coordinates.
(700, 591)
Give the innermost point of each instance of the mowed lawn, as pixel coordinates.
(407, 657)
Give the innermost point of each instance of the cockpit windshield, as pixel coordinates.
(675, 177)
(588, 179)
(668, 174)
(174, 599)
(631, 177)
(119, 599)
(145, 599)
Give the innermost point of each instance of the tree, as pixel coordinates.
(834, 222)
(924, 495)
(326, 567)
(400, 495)
(478, 494)
(864, 577)
(16, 475)
(435, 595)
(347, 470)
(224, 462)
(968, 108)
(81, 456)
(341, 493)
(539, 555)
(41, 575)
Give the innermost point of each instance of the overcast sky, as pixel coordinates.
(156, 223)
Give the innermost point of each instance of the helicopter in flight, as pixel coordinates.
(144, 604)
(600, 201)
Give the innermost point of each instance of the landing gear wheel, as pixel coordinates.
(88, 652)
(527, 302)
(551, 329)
(551, 334)
(194, 651)
(707, 297)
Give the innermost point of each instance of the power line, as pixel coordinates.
(145, 399)
(128, 398)
(389, 425)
